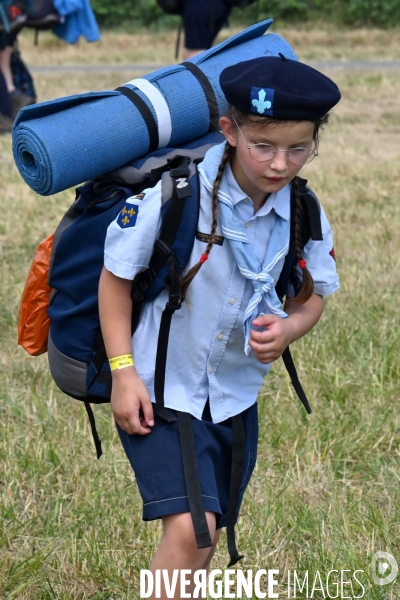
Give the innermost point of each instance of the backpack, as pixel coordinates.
(77, 357)
(41, 14)
(36, 14)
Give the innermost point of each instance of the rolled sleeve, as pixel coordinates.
(130, 240)
(321, 263)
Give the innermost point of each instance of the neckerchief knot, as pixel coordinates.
(249, 266)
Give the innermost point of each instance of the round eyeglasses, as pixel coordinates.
(265, 152)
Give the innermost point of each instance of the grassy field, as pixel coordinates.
(320, 43)
(326, 493)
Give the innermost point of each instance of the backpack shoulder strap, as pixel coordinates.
(310, 228)
(311, 214)
(177, 224)
(172, 249)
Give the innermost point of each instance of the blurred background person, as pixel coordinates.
(11, 98)
(6, 120)
(17, 98)
(202, 21)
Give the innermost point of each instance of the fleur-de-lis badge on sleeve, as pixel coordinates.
(128, 216)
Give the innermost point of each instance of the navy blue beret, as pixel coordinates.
(280, 88)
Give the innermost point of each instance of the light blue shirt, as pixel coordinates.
(205, 352)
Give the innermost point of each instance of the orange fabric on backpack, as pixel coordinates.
(33, 321)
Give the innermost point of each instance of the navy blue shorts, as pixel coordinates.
(202, 21)
(156, 459)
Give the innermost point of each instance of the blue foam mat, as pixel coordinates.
(61, 143)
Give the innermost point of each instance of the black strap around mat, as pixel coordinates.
(237, 473)
(146, 113)
(208, 92)
(192, 481)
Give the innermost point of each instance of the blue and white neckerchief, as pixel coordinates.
(249, 266)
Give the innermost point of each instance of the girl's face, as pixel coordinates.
(259, 179)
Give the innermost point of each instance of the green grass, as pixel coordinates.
(325, 494)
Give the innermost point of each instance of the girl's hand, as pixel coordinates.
(268, 345)
(130, 402)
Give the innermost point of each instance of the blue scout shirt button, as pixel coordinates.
(232, 301)
(220, 336)
(247, 224)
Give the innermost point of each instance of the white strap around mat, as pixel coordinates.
(160, 108)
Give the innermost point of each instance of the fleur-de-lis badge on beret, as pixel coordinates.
(262, 100)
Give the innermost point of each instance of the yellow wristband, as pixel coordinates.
(120, 362)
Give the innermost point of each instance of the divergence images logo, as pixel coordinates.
(384, 568)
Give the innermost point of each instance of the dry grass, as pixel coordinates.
(326, 492)
(320, 43)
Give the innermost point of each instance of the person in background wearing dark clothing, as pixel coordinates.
(202, 21)
(6, 118)
(16, 98)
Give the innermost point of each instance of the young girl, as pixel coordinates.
(232, 326)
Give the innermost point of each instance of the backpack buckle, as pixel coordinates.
(181, 170)
(175, 302)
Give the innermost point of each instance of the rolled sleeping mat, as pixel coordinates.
(61, 143)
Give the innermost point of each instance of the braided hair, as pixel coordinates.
(187, 279)
(306, 289)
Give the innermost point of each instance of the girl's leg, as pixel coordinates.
(178, 548)
(212, 551)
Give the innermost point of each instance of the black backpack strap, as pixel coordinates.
(310, 228)
(162, 249)
(174, 303)
(294, 378)
(179, 194)
(175, 299)
(237, 473)
(96, 439)
(311, 214)
(192, 481)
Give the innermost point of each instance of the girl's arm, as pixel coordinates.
(129, 394)
(268, 345)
